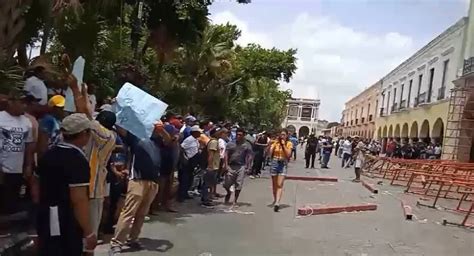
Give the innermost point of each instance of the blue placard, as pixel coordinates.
(138, 111)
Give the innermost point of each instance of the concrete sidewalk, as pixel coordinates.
(254, 229)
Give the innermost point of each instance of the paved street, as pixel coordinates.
(256, 230)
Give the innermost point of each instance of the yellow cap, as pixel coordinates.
(57, 101)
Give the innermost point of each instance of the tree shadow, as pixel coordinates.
(192, 207)
(153, 245)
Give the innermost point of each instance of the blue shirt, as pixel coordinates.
(294, 141)
(146, 156)
(51, 126)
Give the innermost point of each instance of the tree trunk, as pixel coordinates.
(159, 71)
(45, 37)
(22, 55)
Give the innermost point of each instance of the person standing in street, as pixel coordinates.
(326, 151)
(210, 175)
(310, 152)
(260, 147)
(346, 152)
(189, 159)
(281, 153)
(294, 141)
(142, 186)
(239, 154)
(50, 124)
(64, 225)
(17, 149)
(98, 150)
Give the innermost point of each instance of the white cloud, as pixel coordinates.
(335, 61)
(247, 35)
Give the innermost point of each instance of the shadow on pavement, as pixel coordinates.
(153, 245)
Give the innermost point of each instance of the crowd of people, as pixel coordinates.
(79, 175)
(86, 176)
(415, 149)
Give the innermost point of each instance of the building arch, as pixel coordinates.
(390, 131)
(303, 131)
(425, 130)
(291, 129)
(438, 130)
(397, 131)
(379, 133)
(414, 130)
(384, 133)
(405, 130)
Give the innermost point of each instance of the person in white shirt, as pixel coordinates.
(16, 150)
(190, 157)
(35, 85)
(346, 152)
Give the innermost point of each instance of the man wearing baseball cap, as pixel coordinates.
(16, 150)
(49, 125)
(64, 226)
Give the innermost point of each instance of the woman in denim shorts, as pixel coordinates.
(280, 152)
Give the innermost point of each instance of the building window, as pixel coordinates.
(420, 80)
(388, 102)
(409, 93)
(401, 94)
(430, 87)
(368, 110)
(442, 90)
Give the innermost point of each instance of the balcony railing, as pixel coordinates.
(422, 98)
(468, 66)
(395, 107)
(441, 92)
(305, 118)
(403, 104)
(292, 118)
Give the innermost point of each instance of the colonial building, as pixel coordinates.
(358, 116)
(414, 97)
(302, 116)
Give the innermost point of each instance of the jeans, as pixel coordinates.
(258, 162)
(10, 192)
(209, 180)
(185, 177)
(325, 160)
(293, 153)
(310, 156)
(345, 157)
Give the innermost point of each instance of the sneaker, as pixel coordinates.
(251, 177)
(115, 250)
(208, 205)
(276, 208)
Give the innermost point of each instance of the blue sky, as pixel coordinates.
(343, 46)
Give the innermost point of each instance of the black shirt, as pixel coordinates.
(62, 167)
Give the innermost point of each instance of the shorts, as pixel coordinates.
(278, 167)
(235, 176)
(210, 177)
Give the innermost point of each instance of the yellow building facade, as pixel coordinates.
(414, 97)
(358, 116)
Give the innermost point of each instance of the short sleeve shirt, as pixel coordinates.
(15, 133)
(61, 168)
(238, 153)
(214, 154)
(278, 152)
(98, 151)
